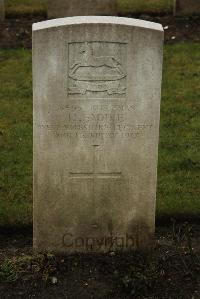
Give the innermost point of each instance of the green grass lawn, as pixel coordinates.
(178, 185)
(145, 6)
(23, 7)
(179, 158)
(15, 137)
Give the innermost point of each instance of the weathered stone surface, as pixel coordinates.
(2, 10)
(70, 8)
(186, 7)
(97, 84)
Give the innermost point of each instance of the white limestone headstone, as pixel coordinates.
(186, 7)
(70, 8)
(97, 90)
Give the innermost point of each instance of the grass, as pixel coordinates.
(26, 7)
(145, 6)
(38, 7)
(179, 163)
(38, 266)
(8, 272)
(178, 186)
(15, 137)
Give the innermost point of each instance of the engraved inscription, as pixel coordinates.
(97, 69)
(99, 122)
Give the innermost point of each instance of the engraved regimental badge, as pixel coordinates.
(97, 69)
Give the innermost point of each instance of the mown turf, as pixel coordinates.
(178, 185)
(179, 159)
(34, 7)
(25, 7)
(145, 6)
(15, 137)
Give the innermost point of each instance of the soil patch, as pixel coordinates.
(169, 272)
(16, 33)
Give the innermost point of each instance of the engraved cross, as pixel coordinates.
(94, 175)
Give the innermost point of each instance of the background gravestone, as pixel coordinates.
(69, 8)
(187, 7)
(2, 10)
(97, 85)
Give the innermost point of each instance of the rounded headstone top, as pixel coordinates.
(97, 20)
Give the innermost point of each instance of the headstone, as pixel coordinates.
(70, 8)
(2, 10)
(187, 7)
(97, 89)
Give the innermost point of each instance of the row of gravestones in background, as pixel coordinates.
(64, 8)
